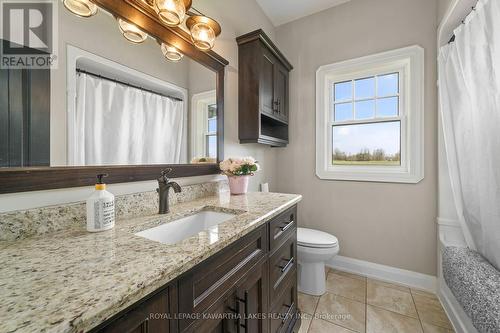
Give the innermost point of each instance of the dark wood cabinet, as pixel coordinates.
(248, 287)
(263, 91)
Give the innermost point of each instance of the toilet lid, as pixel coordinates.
(315, 238)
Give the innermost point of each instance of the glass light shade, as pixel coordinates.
(203, 36)
(171, 52)
(132, 32)
(171, 12)
(82, 8)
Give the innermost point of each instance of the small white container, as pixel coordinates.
(100, 208)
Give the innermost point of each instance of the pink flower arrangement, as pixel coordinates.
(245, 166)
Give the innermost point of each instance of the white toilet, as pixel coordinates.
(314, 248)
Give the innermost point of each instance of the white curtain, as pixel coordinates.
(116, 124)
(469, 91)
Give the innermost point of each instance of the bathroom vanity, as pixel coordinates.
(237, 276)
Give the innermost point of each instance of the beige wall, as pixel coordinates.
(442, 8)
(390, 224)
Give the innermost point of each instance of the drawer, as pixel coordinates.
(284, 313)
(281, 227)
(214, 278)
(282, 264)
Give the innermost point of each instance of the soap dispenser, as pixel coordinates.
(100, 208)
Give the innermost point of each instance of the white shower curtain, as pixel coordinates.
(116, 124)
(469, 91)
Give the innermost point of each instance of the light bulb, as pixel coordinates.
(203, 31)
(82, 8)
(171, 53)
(171, 12)
(131, 32)
(203, 36)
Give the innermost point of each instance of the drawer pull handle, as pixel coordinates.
(288, 264)
(236, 311)
(287, 226)
(288, 313)
(245, 302)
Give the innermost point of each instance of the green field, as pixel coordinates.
(391, 163)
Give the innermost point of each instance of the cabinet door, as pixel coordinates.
(281, 91)
(252, 294)
(267, 85)
(24, 117)
(221, 317)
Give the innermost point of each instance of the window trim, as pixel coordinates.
(409, 62)
(199, 122)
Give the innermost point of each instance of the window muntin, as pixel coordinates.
(374, 97)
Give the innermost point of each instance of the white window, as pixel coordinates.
(211, 131)
(369, 118)
(204, 125)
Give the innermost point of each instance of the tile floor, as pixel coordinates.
(354, 303)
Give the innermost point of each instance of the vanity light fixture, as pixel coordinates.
(171, 52)
(203, 31)
(82, 8)
(131, 32)
(172, 12)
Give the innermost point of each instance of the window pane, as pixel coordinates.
(388, 107)
(388, 85)
(212, 125)
(343, 112)
(343, 91)
(365, 109)
(212, 146)
(367, 144)
(212, 111)
(365, 88)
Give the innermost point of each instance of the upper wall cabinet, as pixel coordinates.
(263, 91)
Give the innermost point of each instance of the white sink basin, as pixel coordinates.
(175, 231)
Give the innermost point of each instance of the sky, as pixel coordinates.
(353, 138)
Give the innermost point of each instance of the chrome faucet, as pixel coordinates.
(164, 185)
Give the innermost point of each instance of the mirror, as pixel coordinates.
(109, 102)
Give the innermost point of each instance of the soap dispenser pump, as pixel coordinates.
(100, 208)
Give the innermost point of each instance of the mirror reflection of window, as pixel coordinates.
(211, 137)
(204, 127)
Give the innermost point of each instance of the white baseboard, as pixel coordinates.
(459, 319)
(385, 273)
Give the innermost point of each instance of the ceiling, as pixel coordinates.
(281, 12)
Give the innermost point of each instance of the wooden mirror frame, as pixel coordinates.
(44, 178)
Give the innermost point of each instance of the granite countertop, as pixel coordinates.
(71, 281)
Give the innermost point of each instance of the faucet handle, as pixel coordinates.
(163, 178)
(166, 171)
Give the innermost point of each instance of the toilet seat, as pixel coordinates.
(312, 238)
